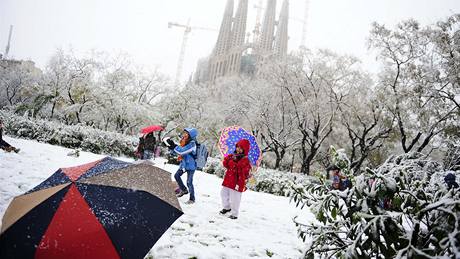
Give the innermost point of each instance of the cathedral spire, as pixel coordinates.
(239, 24)
(238, 36)
(281, 38)
(265, 44)
(225, 32)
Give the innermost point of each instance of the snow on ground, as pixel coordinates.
(264, 227)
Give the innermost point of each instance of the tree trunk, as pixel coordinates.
(305, 168)
(279, 158)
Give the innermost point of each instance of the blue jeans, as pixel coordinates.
(190, 173)
(147, 154)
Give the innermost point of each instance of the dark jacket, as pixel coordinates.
(3, 143)
(450, 181)
(149, 142)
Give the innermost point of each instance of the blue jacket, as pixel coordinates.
(188, 151)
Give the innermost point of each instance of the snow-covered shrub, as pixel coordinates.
(398, 210)
(277, 182)
(340, 159)
(214, 166)
(451, 159)
(172, 158)
(266, 180)
(70, 136)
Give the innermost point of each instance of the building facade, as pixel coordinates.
(227, 58)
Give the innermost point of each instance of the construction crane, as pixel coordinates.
(7, 49)
(303, 21)
(187, 29)
(304, 24)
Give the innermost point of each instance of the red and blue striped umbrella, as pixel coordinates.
(104, 209)
(231, 135)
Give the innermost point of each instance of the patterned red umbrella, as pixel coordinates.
(104, 209)
(151, 128)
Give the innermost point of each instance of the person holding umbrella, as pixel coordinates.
(139, 153)
(234, 184)
(148, 143)
(187, 152)
(149, 146)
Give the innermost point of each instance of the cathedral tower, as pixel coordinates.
(238, 36)
(227, 56)
(217, 61)
(281, 38)
(265, 44)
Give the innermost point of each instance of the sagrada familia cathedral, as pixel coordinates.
(230, 55)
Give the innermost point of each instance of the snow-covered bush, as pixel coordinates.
(70, 136)
(172, 158)
(278, 182)
(214, 166)
(402, 209)
(451, 159)
(265, 180)
(340, 159)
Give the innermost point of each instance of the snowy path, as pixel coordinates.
(263, 229)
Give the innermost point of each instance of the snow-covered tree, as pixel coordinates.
(402, 209)
(314, 85)
(419, 84)
(19, 82)
(271, 115)
(363, 128)
(70, 80)
(444, 69)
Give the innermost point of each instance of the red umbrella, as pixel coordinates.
(151, 128)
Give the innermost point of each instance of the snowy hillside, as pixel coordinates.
(264, 228)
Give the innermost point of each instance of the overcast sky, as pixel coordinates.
(139, 27)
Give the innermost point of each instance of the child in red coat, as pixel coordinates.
(234, 184)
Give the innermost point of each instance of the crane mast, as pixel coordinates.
(7, 49)
(304, 24)
(187, 29)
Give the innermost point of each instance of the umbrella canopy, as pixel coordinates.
(104, 209)
(231, 135)
(151, 128)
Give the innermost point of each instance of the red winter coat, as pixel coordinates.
(237, 169)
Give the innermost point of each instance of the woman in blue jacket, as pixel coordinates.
(187, 152)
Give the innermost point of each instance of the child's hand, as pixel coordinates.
(237, 187)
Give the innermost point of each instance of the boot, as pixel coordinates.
(223, 211)
(182, 193)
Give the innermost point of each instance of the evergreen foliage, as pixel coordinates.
(401, 209)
